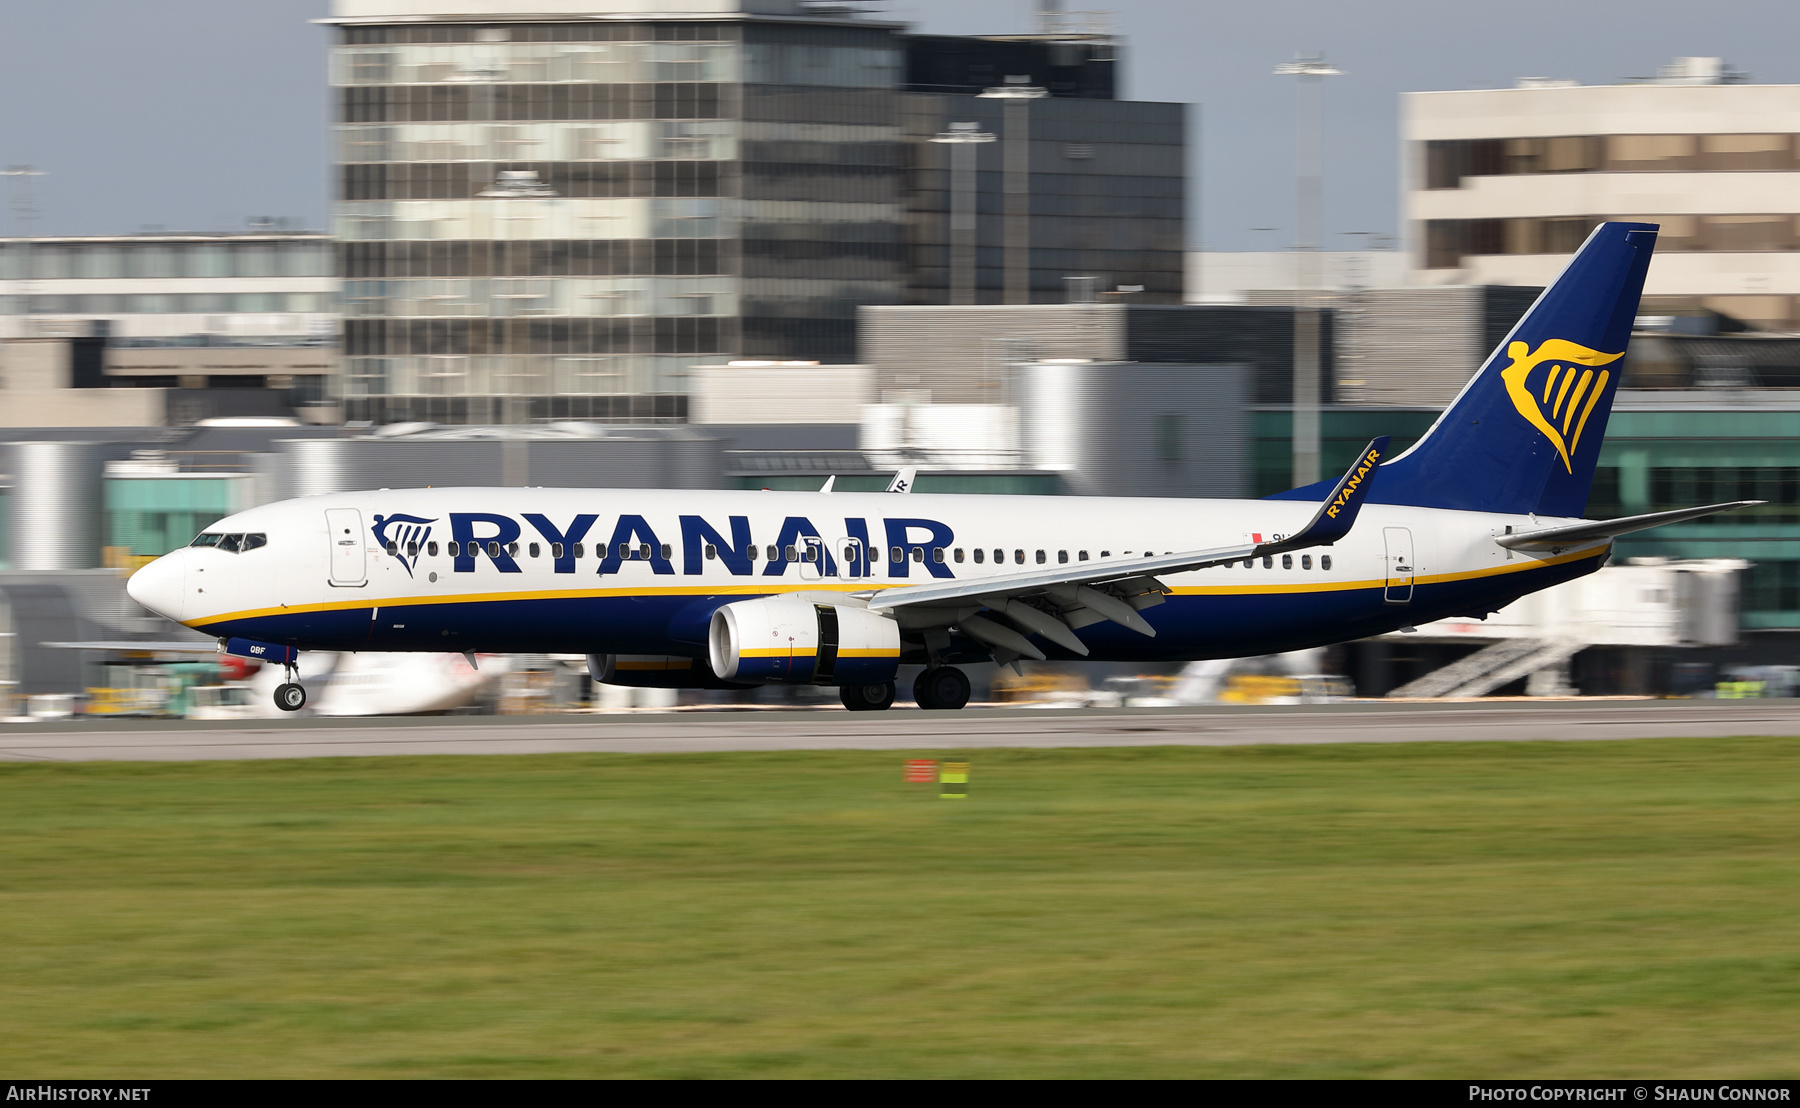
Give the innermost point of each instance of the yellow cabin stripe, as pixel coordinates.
(870, 586)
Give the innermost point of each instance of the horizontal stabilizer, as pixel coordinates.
(1574, 534)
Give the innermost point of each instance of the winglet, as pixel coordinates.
(1336, 516)
(903, 480)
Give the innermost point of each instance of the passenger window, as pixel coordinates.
(1287, 561)
(1106, 553)
(1306, 561)
(624, 551)
(644, 552)
(712, 552)
(999, 555)
(750, 552)
(412, 548)
(1324, 561)
(1040, 557)
(576, 550)
(918, 554)
(1019, 557)
(455, 549)
(393, 547)
(787, 554)
(1268, 561)
(812, 553)
(959, 553)
(535, 550)
(206, 540)
(1062, 557)
(667, 550)
(1082, 555)
(774, 553)
(493, 549)
(431, 549)
(512, 549)
(252, 542)
(980, 555)
(1249, 563)
(937, 554)
(556, 550)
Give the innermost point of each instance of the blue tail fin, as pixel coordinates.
(1524, 434)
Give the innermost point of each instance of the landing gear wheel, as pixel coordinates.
(867, 698)
(945, 688)
(290, 697)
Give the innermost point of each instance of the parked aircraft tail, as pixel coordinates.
(1524, 434)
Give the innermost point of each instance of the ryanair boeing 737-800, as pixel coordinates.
(733, 589)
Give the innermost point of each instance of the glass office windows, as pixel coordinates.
(306, 259)
(1746, 152)
(99, 262)
(1746, 232)
(1650, 152)
(209, 260)
(50, 263)
(254, 259)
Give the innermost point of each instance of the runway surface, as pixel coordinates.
(692, 732)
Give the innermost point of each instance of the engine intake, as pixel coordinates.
(796, 642)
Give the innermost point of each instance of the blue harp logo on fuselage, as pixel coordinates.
(403, 537)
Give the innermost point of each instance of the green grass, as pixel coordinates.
(1581, 909)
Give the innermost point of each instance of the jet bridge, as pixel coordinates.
(1647, 602)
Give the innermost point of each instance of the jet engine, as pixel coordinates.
(794, 641)
(655, 671)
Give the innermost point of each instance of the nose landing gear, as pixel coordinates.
(290, 696)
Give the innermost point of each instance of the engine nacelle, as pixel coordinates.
(654, 671)
(797, 642)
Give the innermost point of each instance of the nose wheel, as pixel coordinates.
(290, 696)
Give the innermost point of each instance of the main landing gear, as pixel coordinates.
(290, 696)
(945, 687)
(867, 698)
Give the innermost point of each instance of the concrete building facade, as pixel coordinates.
(551, 212)
(1500, 185)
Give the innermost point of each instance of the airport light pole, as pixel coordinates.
(1308, 166)
(962, 139)
(23, 201)
(1018, 96)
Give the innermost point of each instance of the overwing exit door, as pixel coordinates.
(343, 530)
(1399, 565)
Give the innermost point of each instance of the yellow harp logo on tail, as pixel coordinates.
(1567, 394)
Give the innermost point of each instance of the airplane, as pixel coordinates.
(733, 589)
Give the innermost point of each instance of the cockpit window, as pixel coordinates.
(233, 543)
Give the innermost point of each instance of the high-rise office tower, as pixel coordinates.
(553, 208)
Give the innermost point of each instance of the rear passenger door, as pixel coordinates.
(349, 563)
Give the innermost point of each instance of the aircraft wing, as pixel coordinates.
(1084, 593)
(1574, 534)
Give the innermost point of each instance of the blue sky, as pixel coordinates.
(202, 113)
